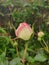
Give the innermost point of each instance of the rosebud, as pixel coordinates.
(24, 31)
(40, 35)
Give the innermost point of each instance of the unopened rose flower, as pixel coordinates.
(40, 35)
(24, 31)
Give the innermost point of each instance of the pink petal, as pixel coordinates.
(21, 26)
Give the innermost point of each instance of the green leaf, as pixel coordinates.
(30, 59)
(40, 57)
(2, 30)
(3, 59)
(16, 61)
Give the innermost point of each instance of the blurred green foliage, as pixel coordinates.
(36, 14)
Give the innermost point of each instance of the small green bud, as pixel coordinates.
(40, 35)
(15, 44)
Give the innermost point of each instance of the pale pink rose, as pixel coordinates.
(24, 31)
